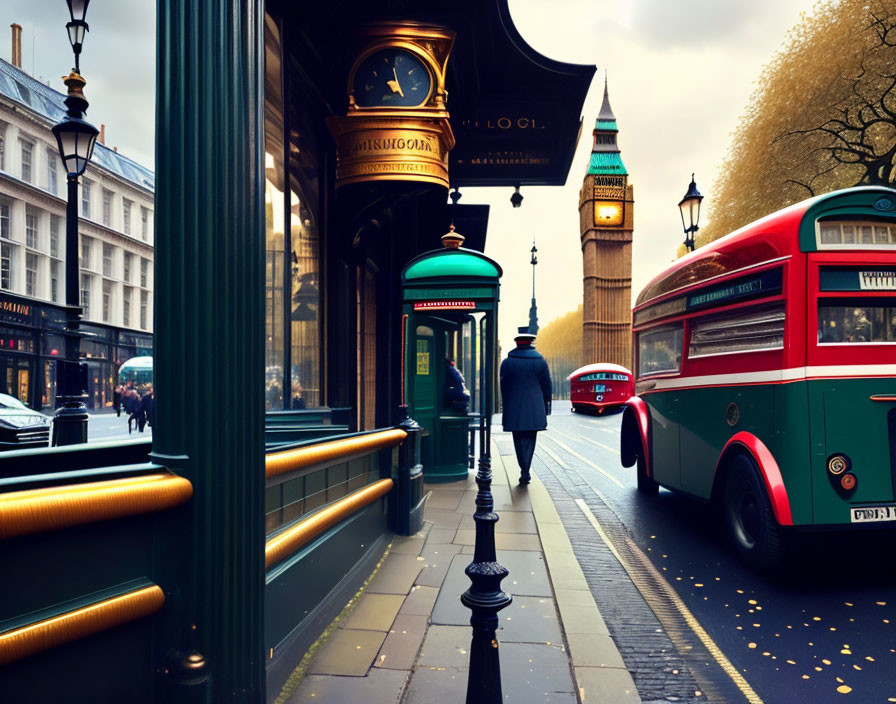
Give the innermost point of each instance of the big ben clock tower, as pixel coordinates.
(606, 218)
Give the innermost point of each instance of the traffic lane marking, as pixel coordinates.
(669, 594)
(583, 459)
(593, 442)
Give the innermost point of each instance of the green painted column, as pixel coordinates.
(209, 346)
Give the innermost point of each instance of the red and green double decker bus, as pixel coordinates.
(765, 373)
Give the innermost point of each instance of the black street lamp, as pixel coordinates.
(690, 213)
(77, 28)
(75, 138)
(533, 309)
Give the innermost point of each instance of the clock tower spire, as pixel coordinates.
(606, 218)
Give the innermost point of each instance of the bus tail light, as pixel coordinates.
(848, 482)
(838, 464)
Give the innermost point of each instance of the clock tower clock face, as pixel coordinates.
(608, 213)
(391, 77)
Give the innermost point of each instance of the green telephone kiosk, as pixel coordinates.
(449, 326)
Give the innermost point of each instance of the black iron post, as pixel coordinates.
(533, 310)
(407, 498)
(485, 598)
(76, 138)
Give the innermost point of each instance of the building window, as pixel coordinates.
(107, 259)
(144, 309)
(126, 216)
(107, 300)
(27, 153)
(144, 272)
(127, 266)
(5, 262)
(54, 235)
(85, 295)
(85, 198)
(126, 306)
(54, 281)
(4, 221)
(30, 274)
(51, 171)
(144, 223)
(107, 208)
(85, 253)
(30, 227)
(2, 148)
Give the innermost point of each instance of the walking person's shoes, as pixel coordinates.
(525, 479)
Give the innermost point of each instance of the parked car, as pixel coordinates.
(20, 426)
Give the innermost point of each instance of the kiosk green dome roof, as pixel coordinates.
(454, 262)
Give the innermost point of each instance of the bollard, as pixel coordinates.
(407, 512)
(485, 598)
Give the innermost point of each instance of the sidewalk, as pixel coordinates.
(406, 636)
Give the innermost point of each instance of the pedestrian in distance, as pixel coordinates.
(149, 406)
(138, 415)
(116, 399)
(526, 394)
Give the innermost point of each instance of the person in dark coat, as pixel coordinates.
(149, 406)
(457, 397)
(526, 391)
(116, 399)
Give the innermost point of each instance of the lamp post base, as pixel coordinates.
(70, 423)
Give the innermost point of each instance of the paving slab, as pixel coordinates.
(446, 647)
(503, 541)
(420, 601)
(397, 574)
(375, 612)
(593, 650)
(439, 535)
(349, 652)
(436, 686)
(530, 619)
(601, 684)
(403, 642)
(409, 545)
(536, 673)
(445, 499)
(379, 687)
(442, 518)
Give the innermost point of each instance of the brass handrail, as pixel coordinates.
(301, 457)
(292, 539)
(79, 623)
(50, 508)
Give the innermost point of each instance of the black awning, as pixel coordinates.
(515, 113)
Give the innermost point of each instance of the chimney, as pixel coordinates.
(16, 45)
(102, 135)
(115, 149)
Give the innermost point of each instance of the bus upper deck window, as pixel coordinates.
(842, 234)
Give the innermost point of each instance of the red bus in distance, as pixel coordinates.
(600, 386)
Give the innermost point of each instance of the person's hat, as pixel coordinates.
(524, 334)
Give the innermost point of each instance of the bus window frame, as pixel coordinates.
(821, 354)
(784, 263)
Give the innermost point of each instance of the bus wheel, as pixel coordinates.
(751, 526)
(646, 485)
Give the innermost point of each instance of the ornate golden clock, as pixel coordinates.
(396, 126)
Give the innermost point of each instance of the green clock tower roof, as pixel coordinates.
(605, 157)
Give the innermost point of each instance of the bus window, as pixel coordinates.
(856, 321)
(659, 351)
(839, 233)
(738, 331)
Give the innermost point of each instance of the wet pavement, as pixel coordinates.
(691, 622)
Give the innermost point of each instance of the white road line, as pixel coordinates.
(582, 437)
(611, 431)
(586, 461)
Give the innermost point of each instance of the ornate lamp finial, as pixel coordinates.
(452, 239)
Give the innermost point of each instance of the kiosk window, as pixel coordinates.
(660, 351)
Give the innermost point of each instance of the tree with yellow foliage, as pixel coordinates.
(560, 343)
(822, 118)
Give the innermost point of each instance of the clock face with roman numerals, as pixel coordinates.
(391, 77)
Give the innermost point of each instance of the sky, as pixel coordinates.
(681, 73)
